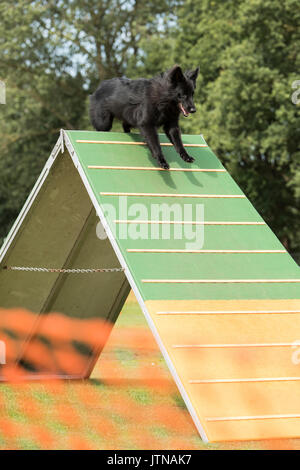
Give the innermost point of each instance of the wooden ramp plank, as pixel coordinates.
(241, 392)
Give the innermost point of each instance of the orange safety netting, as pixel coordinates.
(130, 402)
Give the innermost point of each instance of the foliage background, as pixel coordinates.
(54, 53)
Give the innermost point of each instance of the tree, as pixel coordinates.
(52, 55)
(249, 55)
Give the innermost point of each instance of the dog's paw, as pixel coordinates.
(164, 164)
(187, 158)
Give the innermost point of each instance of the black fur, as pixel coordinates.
(147, 104)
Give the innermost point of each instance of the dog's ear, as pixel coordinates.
(176, 75)
(193, 74)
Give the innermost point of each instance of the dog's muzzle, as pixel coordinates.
(186, 112)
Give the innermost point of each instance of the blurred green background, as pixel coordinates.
(54, 53)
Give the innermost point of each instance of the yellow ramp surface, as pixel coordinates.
(239, 362)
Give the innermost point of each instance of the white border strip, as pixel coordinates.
(233, 345)
(244, 380)
(213, 196)
(218, 281)
(120, 142)
(153, 168)
(158, 250)
(183, 222)
(246, 418)
(226, 312)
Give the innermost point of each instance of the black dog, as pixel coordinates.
(147, 104)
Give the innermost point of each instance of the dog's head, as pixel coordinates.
(184, 85)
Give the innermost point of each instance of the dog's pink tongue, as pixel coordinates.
(185, 113)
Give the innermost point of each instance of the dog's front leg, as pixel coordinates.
(174, 135)
(151, 137)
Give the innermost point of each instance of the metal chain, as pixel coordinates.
(56, 270)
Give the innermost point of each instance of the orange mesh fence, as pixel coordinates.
(130, 401)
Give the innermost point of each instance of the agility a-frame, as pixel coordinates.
(220, 293)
